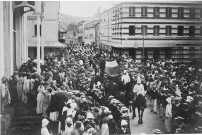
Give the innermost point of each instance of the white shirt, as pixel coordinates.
(104, 129)
(81, 62)
(44, 131)
(125, 78)
(139, 89)
(168, 110)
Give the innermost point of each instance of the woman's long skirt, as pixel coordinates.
(39, 108)
(168, 124)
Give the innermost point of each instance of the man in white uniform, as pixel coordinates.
(138, 89)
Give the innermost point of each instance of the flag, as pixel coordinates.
(112, 68)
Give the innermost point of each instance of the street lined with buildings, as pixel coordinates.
(165, 30)
(134, 68)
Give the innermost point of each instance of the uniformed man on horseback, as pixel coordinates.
(139, 100)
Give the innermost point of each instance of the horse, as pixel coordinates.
(140, 103)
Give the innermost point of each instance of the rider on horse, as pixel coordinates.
(139, 100)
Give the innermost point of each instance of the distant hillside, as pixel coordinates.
(65, 19)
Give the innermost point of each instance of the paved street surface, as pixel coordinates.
(151, 121)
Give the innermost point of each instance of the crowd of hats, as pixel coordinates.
(64, 64)
(182, 83)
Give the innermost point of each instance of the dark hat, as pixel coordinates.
(78, 123)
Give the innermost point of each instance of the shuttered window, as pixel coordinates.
(156, 30)
(168, 12)
(168, 30)
(144, 30)
(180, 30)
(131, 11)
(180, 12)
(192, 13)
(144, 11)
(156, 12)
(191, 30)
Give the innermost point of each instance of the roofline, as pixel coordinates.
(155, 2)
(162, 2)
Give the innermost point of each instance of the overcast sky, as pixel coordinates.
(84, 8)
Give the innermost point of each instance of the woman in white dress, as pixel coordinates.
(40, 97)
(20, 87)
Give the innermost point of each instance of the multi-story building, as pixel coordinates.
(48, 29)
(80, 33)
(155, 29)
(106, 29)
(13, 34)
(91, 31)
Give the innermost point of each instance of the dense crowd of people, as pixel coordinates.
(74, 89)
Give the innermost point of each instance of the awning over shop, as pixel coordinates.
(154, 43)
(146, 45)
(47, 44)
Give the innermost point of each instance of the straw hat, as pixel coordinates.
(124, 122)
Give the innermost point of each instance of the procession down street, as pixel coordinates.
(76, 93)
(100, 67)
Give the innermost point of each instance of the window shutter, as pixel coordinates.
(180, 30)
(144, 30)
(180, 12)
(168, 12)
(156, 11)
(192, 31)
(35, 30)
(156, 30)
(143, 11)
(168, 30)
(130, 11)
(192, 13)
(133, 11)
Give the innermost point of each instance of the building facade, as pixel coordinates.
(91, 31)
(155, 30)
(48, 29)
(13, 35)
(80, 33)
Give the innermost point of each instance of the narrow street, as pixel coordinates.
(26, 120)
(78, 67)
(151, 121)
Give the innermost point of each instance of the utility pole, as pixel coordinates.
(38, 14)
(42, 31)
(143, 45)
